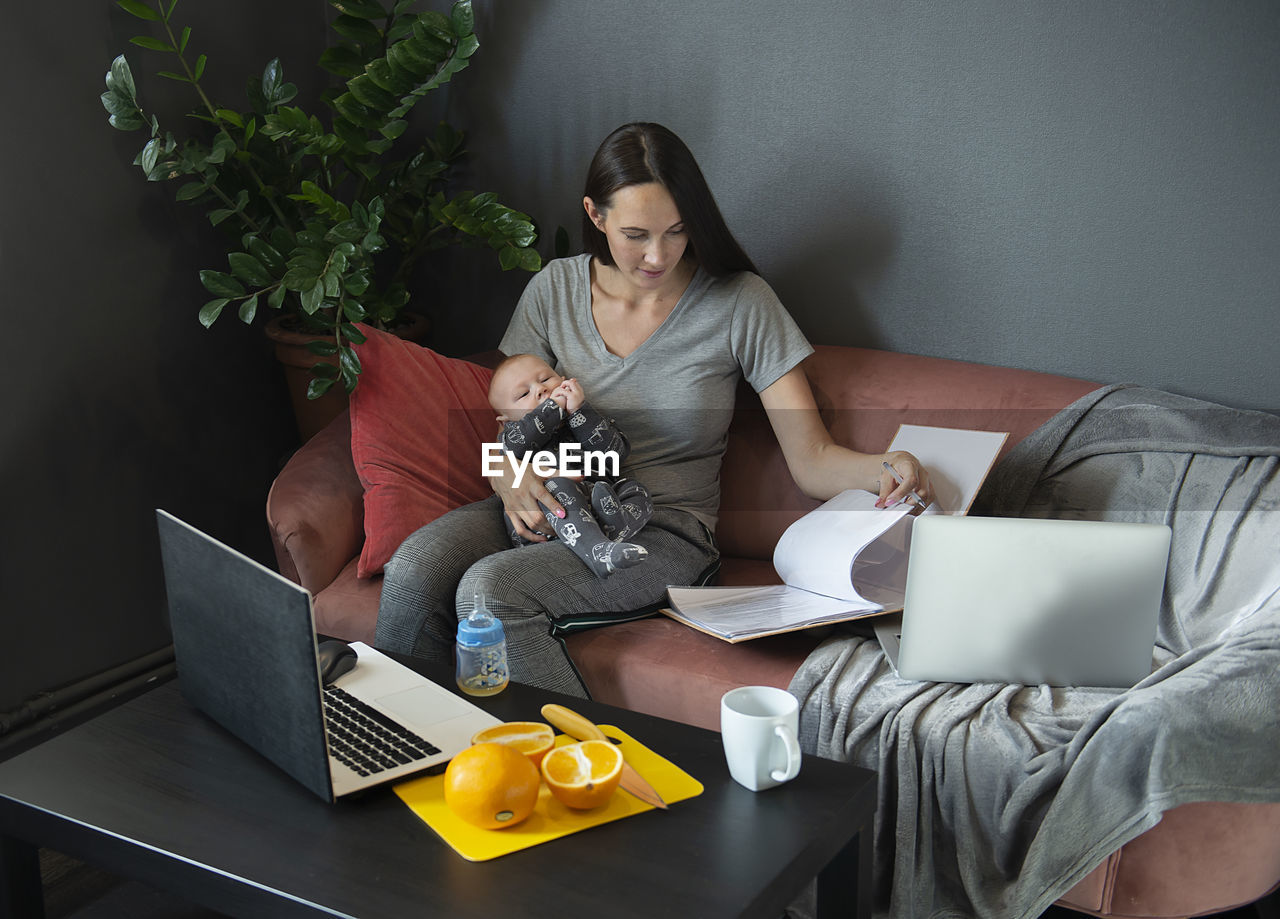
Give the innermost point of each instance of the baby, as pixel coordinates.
(534, 403)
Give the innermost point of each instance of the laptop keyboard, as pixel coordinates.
(364, 739)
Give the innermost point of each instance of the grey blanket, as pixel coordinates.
(995, 799)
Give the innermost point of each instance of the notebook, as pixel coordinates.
(245, 645)
(1058, 602)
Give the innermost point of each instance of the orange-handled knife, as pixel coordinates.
(579, 728)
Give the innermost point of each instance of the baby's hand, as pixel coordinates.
(570, 395)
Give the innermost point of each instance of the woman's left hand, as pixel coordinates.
(915, 478)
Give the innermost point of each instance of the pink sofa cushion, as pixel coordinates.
(418, 420)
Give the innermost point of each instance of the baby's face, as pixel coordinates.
(521, 385)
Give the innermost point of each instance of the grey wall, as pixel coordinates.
(117, 400)
(1085, 187)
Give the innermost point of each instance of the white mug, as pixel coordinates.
(758, 725)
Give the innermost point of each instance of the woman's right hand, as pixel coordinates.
(522, 504)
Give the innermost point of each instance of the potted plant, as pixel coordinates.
(326, 217)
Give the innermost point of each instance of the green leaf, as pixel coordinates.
(117, 104)
(370, 94)
(529, 259)
(191, 191)
(219, 215)
(342, 61)
(275, 299)
(138, 9)
(313, 297)
(434, 23)
(508, 258)
(299, 278)
(210, 311)
(285, 93)
(186, 37)
(349, 362)
(249, 269)
(223, 146)
(323, 348)
(170, 75)
(271, 79)
(382, 74)
(317, 388)
(200, 62)
(358, 30)
(120, 79)
(413, 57)
(462, 18)
(362, 9)
(220, 284)
(350, 108)
(249, 309)
(265, 253)
(152, 44)
(150, 154)
(126, 122)
(332, 285)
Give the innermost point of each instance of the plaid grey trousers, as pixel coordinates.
(431, 582)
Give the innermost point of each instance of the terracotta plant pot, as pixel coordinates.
(312, 415)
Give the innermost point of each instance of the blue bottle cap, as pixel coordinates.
(479, 629)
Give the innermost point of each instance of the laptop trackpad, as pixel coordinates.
(422, 703)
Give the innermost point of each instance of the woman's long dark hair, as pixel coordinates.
(643, 152)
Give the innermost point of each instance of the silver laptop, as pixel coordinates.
(245, 644)
(1059, 602)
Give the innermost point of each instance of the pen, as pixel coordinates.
(897, 478)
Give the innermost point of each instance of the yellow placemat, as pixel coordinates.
(550, 819)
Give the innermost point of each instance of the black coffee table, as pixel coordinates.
(154, 791)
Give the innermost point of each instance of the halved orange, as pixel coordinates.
(491, 785)
(583, 775)
(532, 738)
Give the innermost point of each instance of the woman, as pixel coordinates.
(659, 318)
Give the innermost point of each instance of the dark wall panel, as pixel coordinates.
(118, 400)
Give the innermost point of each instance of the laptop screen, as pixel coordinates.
(245, 647)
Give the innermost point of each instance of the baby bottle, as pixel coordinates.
(482, 652)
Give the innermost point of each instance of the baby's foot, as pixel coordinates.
(608, 557)
(608, 510)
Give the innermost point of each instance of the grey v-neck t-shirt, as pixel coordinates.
(673, 395)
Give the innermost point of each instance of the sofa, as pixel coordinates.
(1200, 858)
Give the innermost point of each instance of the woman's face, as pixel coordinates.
(646, 235)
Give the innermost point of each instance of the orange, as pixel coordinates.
(491, 785)
(532, 738)
(583, 775)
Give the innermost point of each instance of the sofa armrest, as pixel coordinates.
(315, 509)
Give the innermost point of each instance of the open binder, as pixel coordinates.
(846, 559)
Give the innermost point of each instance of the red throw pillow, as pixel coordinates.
(418, 420)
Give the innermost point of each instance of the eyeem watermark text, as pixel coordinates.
(570, 460)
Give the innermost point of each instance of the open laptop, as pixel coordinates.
(1016, 600)
(245, 644)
